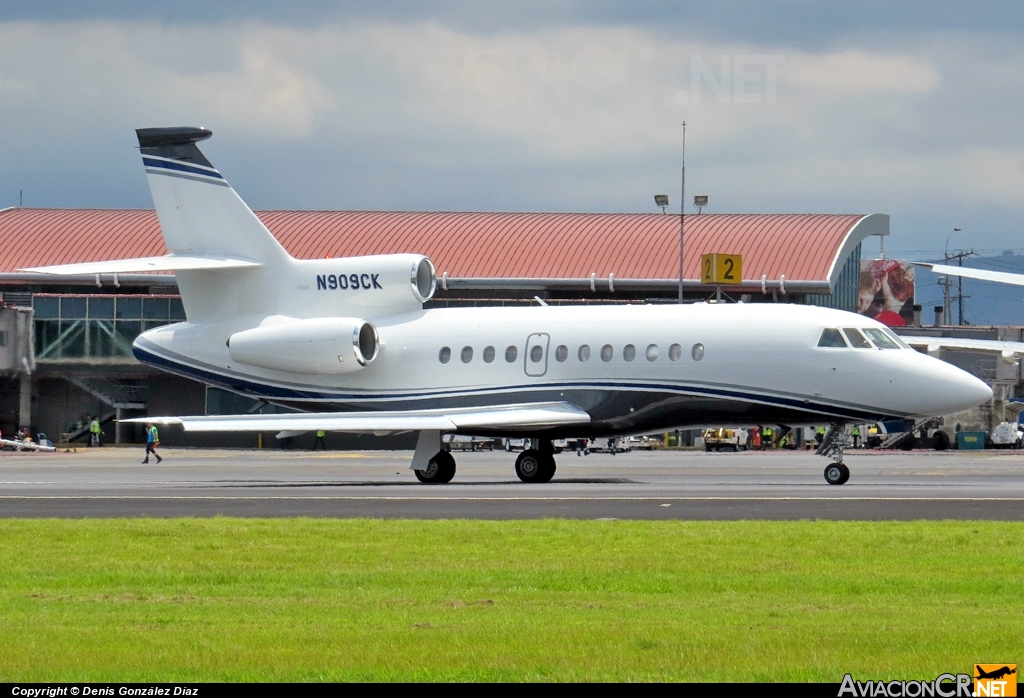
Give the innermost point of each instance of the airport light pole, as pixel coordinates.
(682, 216)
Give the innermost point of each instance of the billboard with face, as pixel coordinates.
(887, 291)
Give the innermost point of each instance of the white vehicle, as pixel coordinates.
(1007, 435)
(348, 341)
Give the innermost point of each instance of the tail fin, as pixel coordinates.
(200, 214)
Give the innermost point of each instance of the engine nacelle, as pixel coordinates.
(372, 286)
(329, 345)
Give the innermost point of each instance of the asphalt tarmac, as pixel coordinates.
(111, 482)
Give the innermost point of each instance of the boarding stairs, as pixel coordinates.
(905, 439)
(125, 396)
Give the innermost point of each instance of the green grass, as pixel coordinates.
(311, 599)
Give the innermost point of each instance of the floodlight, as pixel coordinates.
(661, 200)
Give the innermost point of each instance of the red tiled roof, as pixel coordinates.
(489, 245)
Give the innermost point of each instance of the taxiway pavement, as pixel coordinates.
(111, 482)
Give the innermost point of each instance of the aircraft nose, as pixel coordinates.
(928, 386)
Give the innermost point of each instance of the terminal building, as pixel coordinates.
(65, 342)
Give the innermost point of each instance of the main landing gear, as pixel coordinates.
(537, 464)
(832, 445)
(440, 469)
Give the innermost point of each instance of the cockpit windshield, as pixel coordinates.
(880, 338)
(857, 340)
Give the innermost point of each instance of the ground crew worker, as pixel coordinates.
(767, 441)
(856, 435)
(819, 435)
(94, 429)
(152, 441)
(320, 433)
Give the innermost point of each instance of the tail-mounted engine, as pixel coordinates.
(329, 345)
(371, 286)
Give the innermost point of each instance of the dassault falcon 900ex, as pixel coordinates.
(348, 342)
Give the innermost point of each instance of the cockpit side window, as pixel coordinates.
(831, 337)
(857, 340)
(896, 338)
(880, 338)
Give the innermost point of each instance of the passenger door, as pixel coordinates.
(536, 358)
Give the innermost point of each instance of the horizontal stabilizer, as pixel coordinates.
(1002, 277)
(539, 414)
(166, 263)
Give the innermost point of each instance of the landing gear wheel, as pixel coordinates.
(836, 474)
(439, 470)
(534, 466)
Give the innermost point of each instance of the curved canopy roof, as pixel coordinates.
(809, 248)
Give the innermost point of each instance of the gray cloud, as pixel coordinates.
(580, 113)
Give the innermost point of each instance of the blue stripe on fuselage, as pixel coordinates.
(268, 391)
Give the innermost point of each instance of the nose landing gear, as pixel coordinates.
(832, 445)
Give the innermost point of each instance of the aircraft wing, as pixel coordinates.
(1002, 277)
(1010, 351)
(537, 414)
(142, 264)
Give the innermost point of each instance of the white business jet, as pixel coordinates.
(348, 342)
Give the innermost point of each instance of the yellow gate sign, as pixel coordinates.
(719, 268)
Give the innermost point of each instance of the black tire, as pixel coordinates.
(533, 466)
(941, 440)
(836, 473)
(440, 470)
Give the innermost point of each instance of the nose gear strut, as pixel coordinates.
(832, 445)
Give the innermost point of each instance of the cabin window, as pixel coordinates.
(831, 337)
(607, 352)
(445, 355)
(511, 353)
(584, 353)
(675, 352)
(629, 352)
(561, 353)
(697, 352)
(857, 340)
(467, 354)
(536, 353)
(652, 352)
(488, 354)
(880, 339)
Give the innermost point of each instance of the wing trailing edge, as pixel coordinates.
(538, 414)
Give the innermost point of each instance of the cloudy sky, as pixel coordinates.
(912, 109)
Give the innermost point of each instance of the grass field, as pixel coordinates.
(304, 599)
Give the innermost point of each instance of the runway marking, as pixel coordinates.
(525, 499)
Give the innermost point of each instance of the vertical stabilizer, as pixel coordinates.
(200, 214)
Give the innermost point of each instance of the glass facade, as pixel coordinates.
(844, 295)
(97, 326)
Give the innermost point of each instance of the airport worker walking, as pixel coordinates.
(152, 441)
(856, 435)
(320, 434)
(766, 441)
(94, 430)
